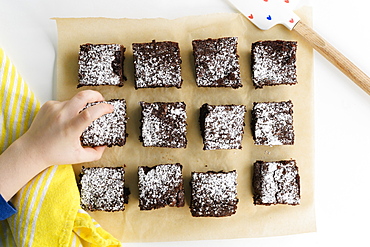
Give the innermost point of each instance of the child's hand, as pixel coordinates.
(53, 139)
(54, 136)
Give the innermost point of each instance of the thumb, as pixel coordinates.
(90, 154)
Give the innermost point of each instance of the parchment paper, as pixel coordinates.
(177, 224)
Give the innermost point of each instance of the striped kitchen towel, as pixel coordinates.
(48, 207)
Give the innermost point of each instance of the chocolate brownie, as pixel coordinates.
(109, 129)
(102, 189)
(101, 64)
(276, 183)
(217, 62)
(274, 63)
(157, 64)
(272, 123)
(163, 124)
(161, 186)
(213, 194)
(222, 126)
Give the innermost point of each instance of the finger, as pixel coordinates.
(92, 154)
(87, 116)
(79, 101)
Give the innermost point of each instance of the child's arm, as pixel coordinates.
(53, 139)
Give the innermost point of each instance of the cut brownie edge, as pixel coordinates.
(203, 113)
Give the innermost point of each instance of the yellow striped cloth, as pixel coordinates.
(48, 207)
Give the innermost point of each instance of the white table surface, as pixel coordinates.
(342, 110)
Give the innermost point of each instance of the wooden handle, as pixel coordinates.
(334, 56)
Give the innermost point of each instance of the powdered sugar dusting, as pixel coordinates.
(102, 188)
(214, 193)
(276, 183)
(110, 129)
(273, 63)
(100, 64)
(157, 64)
(272, 123)
(223, 126)
(160, 185)
(164, 124)
(217, 62)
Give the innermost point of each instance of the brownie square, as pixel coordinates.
(273, 63)
(272, 123)
(276, 183)
(157, 64)
(102, 189)
(213, 194)
(163, 124)
(217, 62)
(109, 129)
(161, 186)
(222, 126)
(101, 64)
